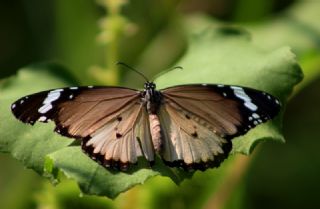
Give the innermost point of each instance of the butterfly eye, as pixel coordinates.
(151, 85)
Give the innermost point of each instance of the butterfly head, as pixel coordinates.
(149, 86)
(151, 97)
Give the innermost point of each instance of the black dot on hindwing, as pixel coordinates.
(194, 134)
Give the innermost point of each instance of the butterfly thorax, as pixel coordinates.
(151, 97)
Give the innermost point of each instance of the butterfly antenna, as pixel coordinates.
(164, 72)
(131, 68)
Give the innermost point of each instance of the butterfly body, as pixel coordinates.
(151, 97)
(188, 126)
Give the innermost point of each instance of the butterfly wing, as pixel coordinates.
(198, 121)
(110, 121)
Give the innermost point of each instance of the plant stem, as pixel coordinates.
(112, 51)
(112, 30)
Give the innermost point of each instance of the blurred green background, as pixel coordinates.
(88, 37)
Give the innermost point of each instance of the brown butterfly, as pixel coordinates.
(188, 126)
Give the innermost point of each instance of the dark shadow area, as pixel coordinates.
(287, 175)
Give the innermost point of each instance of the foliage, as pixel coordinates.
(257, 58)
(233, 61)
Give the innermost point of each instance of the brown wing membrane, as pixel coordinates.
(91, 109)
(120, 142)
(229, 110)
(190, 142)
(77, 111)
(198, 121)
(110, 121)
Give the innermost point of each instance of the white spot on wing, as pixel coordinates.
(90, 87)
(251, 106)
(204, 84)
(47, 103)
(255, 115)
(13, 106)
(220, 85)
(73, 88)
(71, 96)
(239, 92)
(42, 118)
(45, 108)
(52, 96)
(21, 101)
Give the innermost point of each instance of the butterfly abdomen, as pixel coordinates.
(155, 131)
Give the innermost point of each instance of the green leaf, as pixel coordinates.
(226, 56)
(95, 179)
(223, 55)
(30, 145)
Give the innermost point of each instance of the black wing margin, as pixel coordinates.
(200, 120)
(43, 106)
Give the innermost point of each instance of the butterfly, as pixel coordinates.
(189, 126)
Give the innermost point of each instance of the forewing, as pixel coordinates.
(110, 121)
(198, 121)
(77, 111)
(229, 110)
